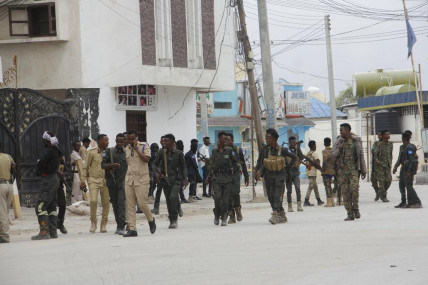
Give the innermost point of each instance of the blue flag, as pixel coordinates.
(411, 38)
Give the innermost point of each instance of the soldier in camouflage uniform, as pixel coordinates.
(374, 166)
(383, 161)
(408, 160)
(272, 166)
(235, 199)
(222, 164)
(328, 172)
(348, 151)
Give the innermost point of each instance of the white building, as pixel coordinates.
(85, 50)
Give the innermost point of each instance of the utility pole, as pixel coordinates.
(204, 114)
(266, 65)
(250, 72)
(330, 79)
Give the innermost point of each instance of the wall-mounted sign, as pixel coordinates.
(137, 97)
(298, 103)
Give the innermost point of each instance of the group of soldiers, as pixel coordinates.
(127, 174)
(382, 164)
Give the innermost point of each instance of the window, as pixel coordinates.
(137, 121)
(163, 33)
(222, 105)
(33, 20)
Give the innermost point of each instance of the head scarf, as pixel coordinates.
(52, 139)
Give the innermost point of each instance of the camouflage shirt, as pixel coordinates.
(349, 157)
(383, 155)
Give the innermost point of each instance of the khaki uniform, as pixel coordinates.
(312, 177)
(137, 182)
(6, 194)
(95, 175)
(83, 153)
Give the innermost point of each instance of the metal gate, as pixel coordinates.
(24, 115)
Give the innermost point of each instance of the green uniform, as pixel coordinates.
(409, 166)
(222, 164)
(275, 180)
(173, 166)
(115, 182)
(241, 168)
(374, 166)
(383, 163)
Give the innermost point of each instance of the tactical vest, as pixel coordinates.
(273, 162)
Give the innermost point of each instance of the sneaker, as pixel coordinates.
(401, 205)
(131, 233)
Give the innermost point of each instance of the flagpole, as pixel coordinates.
(415, 77)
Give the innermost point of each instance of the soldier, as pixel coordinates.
(294, 173)
(328, 172)
(60, 196)
(273, 168)
(409, 167)
(349, 155)
(383, 163)
(137, 182)
(171, 169)
(374, 166)
(114, 163)
(7, 165)
(311, 172)
(403, 203)
(222, 163)
(46, 203)
(192, 169)
(241, 168)
(95, 175)
(155, 209)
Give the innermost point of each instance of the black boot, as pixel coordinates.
(320, 202)
(61, 227)
(53, 221)
(155, 209)
(44, 228)
(152, 225)
(307, 203)
(224, 219)
(232, 218)
(216, 217)
(357, 214)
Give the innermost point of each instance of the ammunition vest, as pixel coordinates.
(274, 162)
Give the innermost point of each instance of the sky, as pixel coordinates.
(379, 43)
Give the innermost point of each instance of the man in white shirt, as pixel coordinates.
(203, 157)
(77, 194)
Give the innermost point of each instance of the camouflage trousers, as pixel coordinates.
(312, 185)
(234, 198)
(374, 180)
(384, 179)
(328, 180)
(349, 186)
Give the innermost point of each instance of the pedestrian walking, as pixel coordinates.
(328, 172)
(156, 205)
(273, 168)
(311, 173)
(137, 182)
(7, 165)
(47, 167)
(383, 160)
(235, 210)
(204, 155)
(192, 168)
(114, 163)
(95, 176)
(349, 155)
(171, 172)
(374, 166)
(76, 170)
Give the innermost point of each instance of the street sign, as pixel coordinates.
(298, 103)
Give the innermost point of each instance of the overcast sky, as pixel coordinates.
(304, 19)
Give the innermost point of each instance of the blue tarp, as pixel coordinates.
(390, 101)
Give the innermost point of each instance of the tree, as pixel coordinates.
(346, 97)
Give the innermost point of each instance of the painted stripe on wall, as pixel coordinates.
(208, 34)
(148, 38)
(179, 34)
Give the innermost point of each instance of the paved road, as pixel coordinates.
(386, 246)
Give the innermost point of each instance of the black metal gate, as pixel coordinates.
(24, 115)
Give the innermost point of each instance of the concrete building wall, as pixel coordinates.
(230, 96)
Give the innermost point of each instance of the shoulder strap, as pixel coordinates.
(165, 162)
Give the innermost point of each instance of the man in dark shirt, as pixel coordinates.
(114, 162)
(46, 202)
(171, 169)
(192, 167)
(294, 171)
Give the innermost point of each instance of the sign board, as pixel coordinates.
(137, 97)
(210, 103)
(298, 103)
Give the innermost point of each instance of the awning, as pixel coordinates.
(390, 101)
(242, 122)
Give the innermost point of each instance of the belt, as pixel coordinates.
(4, 181)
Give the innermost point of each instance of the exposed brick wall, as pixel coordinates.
(208, 34)
(179, 35)
(148, 38)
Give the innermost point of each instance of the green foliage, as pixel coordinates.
(346, 97)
